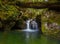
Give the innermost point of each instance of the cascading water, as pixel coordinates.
(28, 23)
(34, 25)
(31, 26)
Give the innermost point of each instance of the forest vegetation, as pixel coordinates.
(14, 13)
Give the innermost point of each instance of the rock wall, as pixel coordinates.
(51, 23)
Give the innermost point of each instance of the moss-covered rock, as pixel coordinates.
(51, 23)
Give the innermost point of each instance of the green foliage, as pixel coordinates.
(8, 14)
(24, 18)
(7, 11)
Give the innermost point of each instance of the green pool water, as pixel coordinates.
(26, 38)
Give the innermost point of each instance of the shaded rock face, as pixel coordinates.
(38, 20)
(20, 24)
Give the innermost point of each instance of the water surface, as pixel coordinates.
(26, 38)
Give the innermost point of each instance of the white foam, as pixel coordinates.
(29, 30)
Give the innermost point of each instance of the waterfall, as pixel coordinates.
(34, 25)
(31, 26)
(28, 23)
